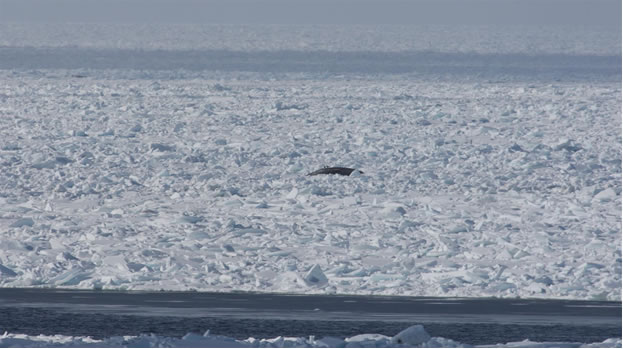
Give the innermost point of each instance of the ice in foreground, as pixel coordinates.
(414, 336)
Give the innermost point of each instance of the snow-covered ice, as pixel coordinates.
(412, 337)
(469, 188)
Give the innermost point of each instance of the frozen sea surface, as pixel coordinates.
(493, 173)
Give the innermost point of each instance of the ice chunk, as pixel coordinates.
(423, 122)
(315, 276)
(406, 224)
(10, 147)
(367, 340)
(292, 155)
(210, 341)
(605, 195)
(65, 256)
(136, 267)
(199, 235)
(190, 219)
(282, 106)
(71, 277)
(46, 164)
(221, 88)
(316, 190)
(330, 342)
(588, 265)
(461, 228)
(515, 148)
(378, 277)
(6, 272)
(108, 132)
(394, 211)
(137, 128)
(412, 336)
(545, 280)
(162, 147)
(57, 244)
(608, 343)
(63, 160)
(116, 261)
(153, 253)
(568, 145)
(179, 126)
(292, 194)
(199, 158)
(536, 288)
(502, 286)
(245, 231)
(22, 222)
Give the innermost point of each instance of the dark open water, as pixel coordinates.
(471, 321)
(36, 321)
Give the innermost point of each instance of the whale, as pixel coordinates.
(343, 171)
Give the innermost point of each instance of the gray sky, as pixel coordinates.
(527, 12)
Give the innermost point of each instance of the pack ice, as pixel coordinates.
(468, 189)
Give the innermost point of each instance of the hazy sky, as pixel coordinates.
(530, 12)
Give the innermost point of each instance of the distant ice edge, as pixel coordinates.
(414, 336)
